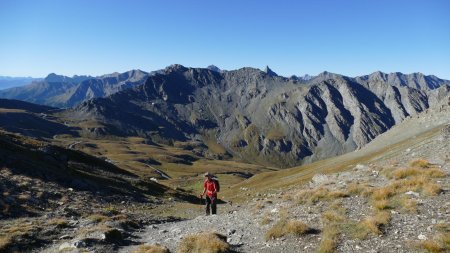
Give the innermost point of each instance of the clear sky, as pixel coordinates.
(292, 37)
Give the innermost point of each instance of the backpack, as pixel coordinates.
(216, 183)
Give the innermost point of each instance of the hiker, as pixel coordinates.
(211, 187)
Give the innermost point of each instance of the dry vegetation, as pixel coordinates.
(335, 221)
(372, 225)
(284, 227)
(441, 241)
(155, 248)
(15, 230)
(312, 196)
(204, 243)
(419, 178)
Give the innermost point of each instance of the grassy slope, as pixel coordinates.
(183, 166)
(284, 179)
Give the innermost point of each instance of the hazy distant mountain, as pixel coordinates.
(45, 92)
(62, 91)
(9, 82)
(263, 117)
(104, 86)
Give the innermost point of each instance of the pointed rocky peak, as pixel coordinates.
(214, 68)
(270, 72)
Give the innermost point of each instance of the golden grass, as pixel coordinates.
(332, 216)
(382, 193)
(318, 194)
(99, 218)
(16, 229)
(284, 227)
(382, 204)
(432, 246)
(154, 248)
(203, 243)
(420, 183)
(422, 163)
(358, 189)
(372, 225)
(439, 244)
(405, 204)
(406, 172)
(58, 222)
(330, 239)
(417, 171)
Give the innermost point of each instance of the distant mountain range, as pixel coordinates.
(9, 82)
(62, 91)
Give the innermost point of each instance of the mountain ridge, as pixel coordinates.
(265, 118)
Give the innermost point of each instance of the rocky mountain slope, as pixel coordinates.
(262, 117)
(50, 193)
(396, 200)
(62, 91)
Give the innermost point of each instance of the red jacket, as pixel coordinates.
(211, 188)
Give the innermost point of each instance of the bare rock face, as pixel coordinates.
(262, 117)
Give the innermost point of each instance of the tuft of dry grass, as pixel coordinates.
(406, 204)
(332, 216)
(15, 231)
(154, 248)
(405, 172)
(330, 239)
(417, 171)
(382, 193)
(432, 246)
(421, 163)
(58, 222)
(439, 244)
(382, 204)
(284, 227)
(99, 218)
(319, 194)
(204, 243)
(359, 189)
(420, 183)
(372, 225)
(5, 242)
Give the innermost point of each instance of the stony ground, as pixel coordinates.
(346, 202)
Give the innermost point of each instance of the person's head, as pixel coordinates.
(208, 176)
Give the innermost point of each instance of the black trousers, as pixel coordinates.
(211, 204)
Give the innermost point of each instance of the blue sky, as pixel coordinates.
(292, 37)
